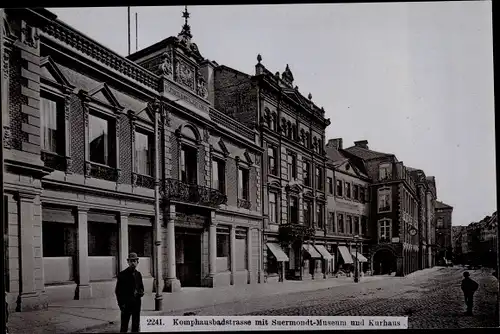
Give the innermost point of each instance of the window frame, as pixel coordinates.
(296, 211)
(291, 165)
(389, 194)
(385, 227)
(319, 178)
(340, 183)
(272, 148)
(329, 181)
(306, 171)
(275, 211)
(221, 162)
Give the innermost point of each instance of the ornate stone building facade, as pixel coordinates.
(292, 132)
(348, 210)
(83, 129)
(444, 245)
(395, 228)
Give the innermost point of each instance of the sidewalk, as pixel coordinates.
(81, 315)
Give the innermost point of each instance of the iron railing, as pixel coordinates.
(191, 193)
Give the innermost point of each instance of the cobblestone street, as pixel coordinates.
(430, 301)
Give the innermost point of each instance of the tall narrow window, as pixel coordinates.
(331, 218)
(349, 224)
(189, 165)
(307, 212)
(271, 159)
(243, 183)
(319, 178)
(273, 208)
(143, 154)
(48, 125)
(339, 188)
(319, 215)
(219, 175)
(340, 221)
(384, 200)
(355, 192)
(99, 141)
(294, 210)
(347, 190)
(364, 227)
(362, 194)
(384, 231)
(307, 173)
(356, 225)
(329, 181)
(292, 166)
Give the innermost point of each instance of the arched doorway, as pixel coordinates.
(384, 262)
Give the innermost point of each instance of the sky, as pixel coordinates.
(414, 79)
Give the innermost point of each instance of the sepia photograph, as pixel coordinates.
(248, 167)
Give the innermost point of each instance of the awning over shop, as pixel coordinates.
(324, 253)
(277, 252)
(312, 251)
(344, 252)
(361, 258)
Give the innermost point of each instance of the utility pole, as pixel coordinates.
(158, 295)
(136, 33)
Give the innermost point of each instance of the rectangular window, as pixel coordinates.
(329, 180)
(384, 171)
(219, 175)
(99, 140)
(143, 154)
(189, 165)
(273, 208)
(292, 167)
(347, 190)
(340, 221)
(307, 213)
(384, 200)
(319, 215)
(339, 188)
(319, 178)
(440, 223)
(271, 160)
(331, 219)
(355, 192)
(364, 226)
(49, 125)
(243, 183)
(384, 230)
(307, 173)
(362, 194)
(294, 210)
(348, 220)
(356, 225)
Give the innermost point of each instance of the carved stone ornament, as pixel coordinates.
(88, 168)
(166, 66)
(7, 137)
(167, 118)
(67, 100)
(185, 75)
(206, 135)
(29, 35)
(201, 89)
(69, 163)
(134, 179)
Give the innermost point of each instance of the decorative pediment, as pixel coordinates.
(346, 166)
(275, 185)
(308, 194)
(294, 188)
(321, 197)
(51, 72)
(223, 148)
(103, 94)
(248, 157)
(146, 115)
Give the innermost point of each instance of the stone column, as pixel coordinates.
(212, 253)
(172, 284)
(249, 256)
(123, 247)
(232, 252)
(31, 295)
(84, 290)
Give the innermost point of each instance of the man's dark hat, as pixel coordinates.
(133, 256)
(466, 274)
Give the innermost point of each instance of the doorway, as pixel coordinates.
(188, 258)
(384, 262)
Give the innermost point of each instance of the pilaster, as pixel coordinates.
(172, 284)
(123, 246)
(84, 290)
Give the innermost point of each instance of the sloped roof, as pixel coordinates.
(366, 154)
(441, 205)
(334, 155)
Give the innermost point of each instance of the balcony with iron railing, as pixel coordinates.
(290, 232)
(179, 191)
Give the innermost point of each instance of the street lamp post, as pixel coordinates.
(356, 271)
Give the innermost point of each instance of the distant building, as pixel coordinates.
(394, 224)
(443, 231)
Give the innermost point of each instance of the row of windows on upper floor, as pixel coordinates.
(289, 130)
(102, 148)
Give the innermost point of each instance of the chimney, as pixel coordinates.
(362, 144)
(335, 143)
(207, 72)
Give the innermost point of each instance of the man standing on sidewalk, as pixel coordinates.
(469, 287)
(129, 291)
